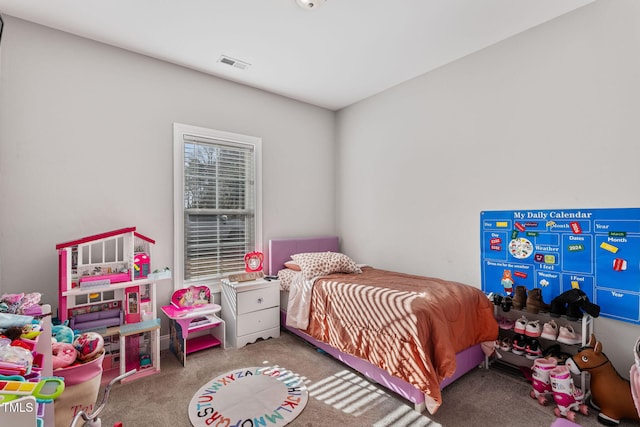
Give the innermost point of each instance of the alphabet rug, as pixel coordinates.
(258, 396)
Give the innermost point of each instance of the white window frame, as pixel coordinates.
(179, 131)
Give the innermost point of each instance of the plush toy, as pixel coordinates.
(88, 345)
(31, 331)
(609, 391)
(63, 354)
(62, 333)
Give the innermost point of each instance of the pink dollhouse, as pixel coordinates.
(95, 273)
(105, 285)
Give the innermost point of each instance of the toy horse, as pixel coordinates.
(609, 390)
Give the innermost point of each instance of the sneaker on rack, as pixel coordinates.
(568, 336)
(521, 325)
(533, 349)
(505, 323)
(519, 344)
(506, 344)
(533, 329)
(550, 330)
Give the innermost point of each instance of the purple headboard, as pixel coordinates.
(280, 250)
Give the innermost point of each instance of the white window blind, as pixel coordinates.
(219, 202)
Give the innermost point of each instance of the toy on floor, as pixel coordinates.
(610, 392)
(541, 380)
(567, 396)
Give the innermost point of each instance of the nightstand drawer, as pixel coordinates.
(258, 299)
(258, 321)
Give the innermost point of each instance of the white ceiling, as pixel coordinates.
(331, 56)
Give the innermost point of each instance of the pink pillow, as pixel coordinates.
(292, 265)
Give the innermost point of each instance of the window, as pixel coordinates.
(217, 202)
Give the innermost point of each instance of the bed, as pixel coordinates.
(421, 368)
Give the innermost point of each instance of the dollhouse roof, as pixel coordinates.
(104, 236)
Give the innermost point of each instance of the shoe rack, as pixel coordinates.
(584, 326)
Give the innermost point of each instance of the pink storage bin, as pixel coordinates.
(81, 386)
(80, 373)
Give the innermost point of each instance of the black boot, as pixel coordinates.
(582, 303)
(558, 306)
(591, 308)
(571, 303)
(573, 312)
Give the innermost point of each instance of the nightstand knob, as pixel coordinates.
(260, 300)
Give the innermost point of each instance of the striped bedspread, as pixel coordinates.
(411, 326)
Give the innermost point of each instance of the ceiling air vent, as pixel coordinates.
(235, 63)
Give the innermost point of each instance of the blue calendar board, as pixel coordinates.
(595, 250)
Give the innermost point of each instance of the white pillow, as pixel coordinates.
(314, 264)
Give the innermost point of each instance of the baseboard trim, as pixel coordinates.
(164, 342)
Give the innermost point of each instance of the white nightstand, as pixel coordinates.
(251, 310)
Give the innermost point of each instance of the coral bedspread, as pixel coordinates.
(411, 326)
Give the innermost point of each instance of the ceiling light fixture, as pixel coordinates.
(310, 4)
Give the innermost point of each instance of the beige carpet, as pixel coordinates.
(337, 396)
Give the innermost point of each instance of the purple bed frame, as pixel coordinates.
(280, 251)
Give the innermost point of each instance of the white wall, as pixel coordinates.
(547, 119)
(86, 140)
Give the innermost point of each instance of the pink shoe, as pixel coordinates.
(568, 336)
(505, 323)
(521, 325)
(533, 329)
(550, 330)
